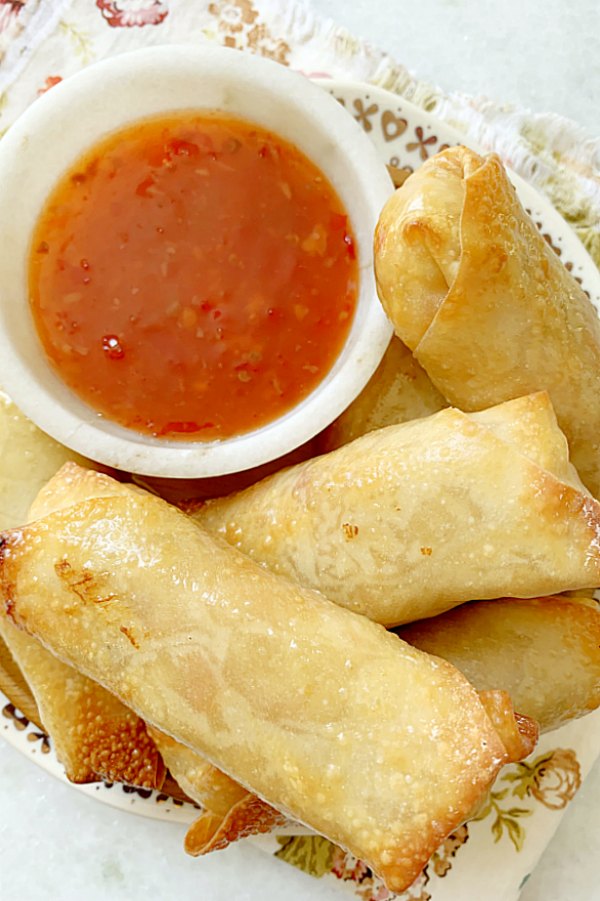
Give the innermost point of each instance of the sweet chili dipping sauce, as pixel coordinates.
(193, 276)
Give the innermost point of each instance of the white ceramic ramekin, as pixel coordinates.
(73, 116)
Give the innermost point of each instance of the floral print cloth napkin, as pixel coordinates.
(42, 42)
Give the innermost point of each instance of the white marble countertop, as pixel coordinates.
(57, 844)
(539, 54)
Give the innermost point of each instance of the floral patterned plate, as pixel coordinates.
(510, 832)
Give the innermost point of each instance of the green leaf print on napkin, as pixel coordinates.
(505, 819)
(311, 853)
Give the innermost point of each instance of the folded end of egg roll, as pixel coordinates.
(518, 733)
(250, 816)
(417, 241)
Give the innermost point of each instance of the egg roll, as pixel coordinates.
(545, 652)
(485, 304)
(28, 458)
(229, 811)
(398, 391)
(250, 816)
(325, 715)
(412, 520)
(95, 737)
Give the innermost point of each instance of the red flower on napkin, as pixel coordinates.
(9, 10)
(127, 13)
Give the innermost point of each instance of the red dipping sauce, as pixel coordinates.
(193, 277)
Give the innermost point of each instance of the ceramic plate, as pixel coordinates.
(405, 136)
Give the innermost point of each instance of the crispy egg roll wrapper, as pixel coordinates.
(93, 734)
(250, 816)
(412, 520)
(14, 685)
(484, 303)
(230, 811)
(399, 390)
(545, 652)
(336, 722)
(197, 777)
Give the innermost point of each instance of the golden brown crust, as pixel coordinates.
(250, 816)
(115, 743)
(95, 737)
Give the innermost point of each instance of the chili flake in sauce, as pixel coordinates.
(193, 276)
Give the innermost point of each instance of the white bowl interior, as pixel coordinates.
(72, 117)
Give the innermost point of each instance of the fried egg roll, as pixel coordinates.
(28, 458)
(399, 390)
(545, 652)
(483, 301)
(93, 734)
(323, 714)
(412, 520)
(229, 811)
